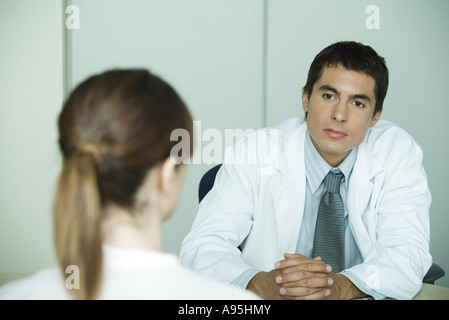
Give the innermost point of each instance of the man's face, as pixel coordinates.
(340, 112)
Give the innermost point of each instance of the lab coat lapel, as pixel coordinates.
(289, 197)
(360, 192)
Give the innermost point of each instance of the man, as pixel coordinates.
(268, 231)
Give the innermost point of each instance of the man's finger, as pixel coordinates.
(304, 264)
(304, 279)
(296, 293)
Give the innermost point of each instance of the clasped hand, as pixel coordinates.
(302, 277)
(297, 277)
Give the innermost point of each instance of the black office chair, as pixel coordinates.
(435, 272)
(207, 181)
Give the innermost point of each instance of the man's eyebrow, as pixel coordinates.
(354, 96)
(360, 96)
(329, 88)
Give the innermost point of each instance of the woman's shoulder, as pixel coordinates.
(42, 285)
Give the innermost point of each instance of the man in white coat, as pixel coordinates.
(256, 226)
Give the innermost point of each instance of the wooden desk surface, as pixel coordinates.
(432, 292)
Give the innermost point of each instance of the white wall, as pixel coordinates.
(31, 93)
(237, 64)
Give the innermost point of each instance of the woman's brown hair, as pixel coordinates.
(113, 128)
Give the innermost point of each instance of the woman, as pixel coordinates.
(117, 186)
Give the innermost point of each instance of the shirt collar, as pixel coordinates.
(133, 258)
(317, 168)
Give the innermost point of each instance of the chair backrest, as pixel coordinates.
(207, 182)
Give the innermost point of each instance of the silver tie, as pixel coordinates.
(329, 242)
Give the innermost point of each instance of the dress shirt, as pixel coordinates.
(316, 170)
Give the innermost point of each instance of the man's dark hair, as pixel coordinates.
(352, 56)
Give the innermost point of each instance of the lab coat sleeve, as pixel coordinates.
(399, 257)
(224, 219)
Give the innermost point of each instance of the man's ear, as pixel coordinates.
(305, 101)
(375, 118)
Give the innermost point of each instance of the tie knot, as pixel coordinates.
(332, 182)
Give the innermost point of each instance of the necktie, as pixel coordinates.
(329, 242)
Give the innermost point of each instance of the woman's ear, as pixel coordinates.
(166, 175)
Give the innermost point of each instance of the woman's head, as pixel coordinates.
(113, 129)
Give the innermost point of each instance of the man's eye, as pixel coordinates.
(327, 96)
(358, 104)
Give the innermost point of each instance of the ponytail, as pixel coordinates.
(78, 238)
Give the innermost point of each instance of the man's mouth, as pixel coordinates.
(335, 133)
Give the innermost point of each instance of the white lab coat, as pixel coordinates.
(258, 201)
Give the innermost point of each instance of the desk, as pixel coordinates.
(432, 292)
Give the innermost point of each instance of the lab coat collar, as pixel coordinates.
(360, 193)
(366, 165)
(291, 163)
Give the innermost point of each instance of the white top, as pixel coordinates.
(129, 274)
